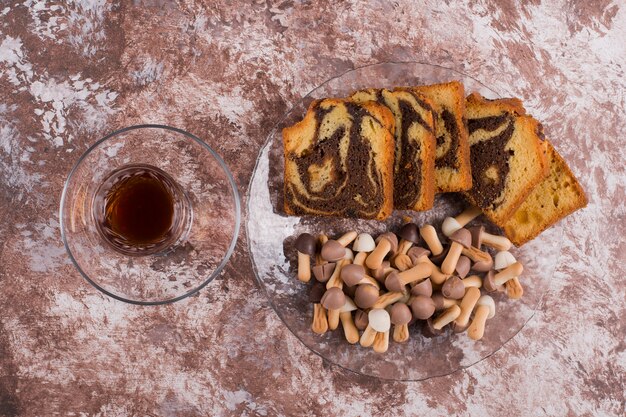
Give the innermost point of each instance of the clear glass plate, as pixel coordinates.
(271, 235)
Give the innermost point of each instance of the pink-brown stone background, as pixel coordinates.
(72, 71)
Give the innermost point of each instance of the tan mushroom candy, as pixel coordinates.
(485, 309)
(366, 296)
(333, 300)
(460, 239)
(423, 307)
(453, 288)
(305, 245)
(320, 321)
(396, 281)
(467, 306)
(452, 224)
(400, 318)
(387, 243)
(378, 321)
(355, 275)
(409, 235)
(429, 234)
(345, 315)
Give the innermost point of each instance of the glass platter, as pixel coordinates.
(271, 235)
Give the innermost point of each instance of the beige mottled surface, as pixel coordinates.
(71, 71)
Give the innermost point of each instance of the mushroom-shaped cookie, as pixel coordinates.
(320, 321)
(333, 300)
(467, 306)
(345, 315)
(321, 239)
(323, 272)
(485, 309)
(355, 275)
(472, 281)
(335, 278)
(423, 288)
(396, 281)
(409, 235)
(453, 288)
(347, 238)
(385, 244)
(442, 302)
(429, 234)
(483, 261)
(428, 330)
(378, 321)
(363, 245)
(402, 262)
(452, 224)
(391, 297)
(333, 251)
(489, 284)
(463, 266)
(400, 318)
(438, 259)
(360, 319)
(448, 316)
(507, 267)
(423, 307)
(305, 245)
(419, 255)
(366, 296)
(381, 273)
(460, 239)
(480, 237)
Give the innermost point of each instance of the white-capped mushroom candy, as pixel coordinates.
(467, 306)
(366, 296)
(506, 264)
(355, 275)
(484, 310)
(460, 239)
(385, 244)
(320, 321)
(378, 321)
(409, 235)
(332, 251)
(305, 245)
(345, 315)
(396, 281)
(503, 259)
(453, 288)
(423, 307)
(332, 300)
(400, 318)
(347, 238)
(429, 234)
(450, 225)
(448, 316)
(364, 242)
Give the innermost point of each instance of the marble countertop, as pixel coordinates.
(70, 72)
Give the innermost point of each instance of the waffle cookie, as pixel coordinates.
(413, 169)
(339, 159)
(557, 196)
(452, 155)
(507, 155)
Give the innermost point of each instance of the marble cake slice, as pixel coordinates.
(413, 170)
(339, 160)
(557, 196)
(452, 155)
(507, 155)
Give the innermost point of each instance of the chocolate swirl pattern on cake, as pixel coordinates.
(337, 174)
(490, 158)
(448, 140)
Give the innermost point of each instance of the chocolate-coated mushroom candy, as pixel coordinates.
(385, 244)
(396, 281)
(423, 288)
(305, 245)
(462, 266)
(332, 251)
(400, 318)
(442, 302)
(320, 321)
(480, 237)
(452, 224)
(409, 235)
(378, 321)
(381, 273)
(323, 272)
(453, 288)
(332, 301)
(460, 239)
(429, 234)
(355, 275)
(485, 309)
(467, 306)
(335, 278)
(489, 283)
(419, 255)
(345, 315)
(366, 296)
(361, 320)
(423, 307)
